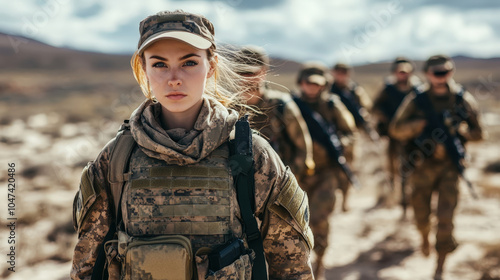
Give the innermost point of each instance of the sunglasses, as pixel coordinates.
(440, 73)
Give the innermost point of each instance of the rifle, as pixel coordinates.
(454, 147)
(326, 134)
(355, 110)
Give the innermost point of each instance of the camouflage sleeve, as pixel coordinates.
(283, 209)
(91, 216)
(473, 131)
(298, 132)
(407, 123)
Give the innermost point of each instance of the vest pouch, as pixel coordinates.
(156, 258)
(241, 269)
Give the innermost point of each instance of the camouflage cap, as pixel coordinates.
(253, 57)
(439, 63)
(193, 29)
(313, 72)
(402, 64)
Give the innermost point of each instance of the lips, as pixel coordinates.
(176, 95)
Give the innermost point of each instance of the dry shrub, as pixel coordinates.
(31, 172)
(492, 167)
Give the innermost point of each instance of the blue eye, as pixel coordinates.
(191, 63)
(159, 65)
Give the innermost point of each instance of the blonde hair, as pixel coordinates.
(226, 84)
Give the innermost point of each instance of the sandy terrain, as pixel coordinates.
(366, 243)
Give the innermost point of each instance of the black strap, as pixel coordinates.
(241, 163)
(242, 167)
(325, 133)
(454, 147)
(396, 97)
(348, 97)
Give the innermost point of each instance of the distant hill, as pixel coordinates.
(20, 53)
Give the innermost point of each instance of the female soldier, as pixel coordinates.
(175, 213)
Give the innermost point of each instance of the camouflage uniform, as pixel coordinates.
(434, 170)
(281, 122)
(287, 238)
(328, 176)
(384, 108)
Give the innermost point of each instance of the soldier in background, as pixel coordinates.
(320, 187)
(277, 118)
(436, 166)
(357, 101)
(352, 95)
(398, 85)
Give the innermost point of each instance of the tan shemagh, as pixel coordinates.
(177, 146)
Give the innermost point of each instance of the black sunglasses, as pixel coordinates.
(440, 73)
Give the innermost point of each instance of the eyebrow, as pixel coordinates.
(182, 58)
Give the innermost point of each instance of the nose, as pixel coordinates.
(174, 80)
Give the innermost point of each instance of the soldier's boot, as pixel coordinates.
(425, 244)
(438, 275)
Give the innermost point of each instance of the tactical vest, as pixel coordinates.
(197, 201)
(424, 104)
(395, 98)
(180, 209)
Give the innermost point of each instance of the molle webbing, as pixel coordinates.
(186, 200)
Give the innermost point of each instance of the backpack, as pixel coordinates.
(242, 169)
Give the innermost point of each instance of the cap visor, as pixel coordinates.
(316, 79)
(447, 66)
(190, 38)
(405, 67)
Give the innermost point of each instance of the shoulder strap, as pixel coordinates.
(242, 167)
(353, 107)
(118, 165)
(281, 106)
(331, 103)
(453, 146)
(459, 98)
(325, 133)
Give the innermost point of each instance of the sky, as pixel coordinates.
(354, 31)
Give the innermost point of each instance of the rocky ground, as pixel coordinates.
(366, 243)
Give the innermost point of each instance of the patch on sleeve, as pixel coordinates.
(84, 198)
(292, 202)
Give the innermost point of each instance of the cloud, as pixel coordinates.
(356, 31)
(244, 5)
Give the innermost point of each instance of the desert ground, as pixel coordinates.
(54, 121)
